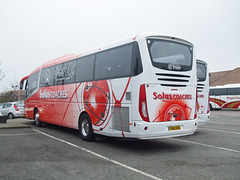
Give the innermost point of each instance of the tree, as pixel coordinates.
(1, 72)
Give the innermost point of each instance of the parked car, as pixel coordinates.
(3, 117)
(1, 113)
(13, 109)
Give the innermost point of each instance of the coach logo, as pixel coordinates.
(170, 66)
(174, 67)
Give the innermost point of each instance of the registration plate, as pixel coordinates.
(174, 128)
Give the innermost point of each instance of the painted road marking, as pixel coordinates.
(219, 130)
(227, 123)
(206, 145)
(23, 134)
(99, 155)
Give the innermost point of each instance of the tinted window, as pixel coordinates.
(201, 72)
(85, 67)
(7, 105)
(32, 83)
(65, 72)
(222, 91)
(114, 63)
(234, 91)
(170, 55)
(211, 92)
(122, 61)
(48, 76)
(136, 60)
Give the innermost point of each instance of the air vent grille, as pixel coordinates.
(173, 80)
(200, 87)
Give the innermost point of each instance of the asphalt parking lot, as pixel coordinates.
(54, 152)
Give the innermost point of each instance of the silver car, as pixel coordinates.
(13, 109)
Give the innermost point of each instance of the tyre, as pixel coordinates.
(37, 119)
(85, 128)
(211, 108)
(10, 116)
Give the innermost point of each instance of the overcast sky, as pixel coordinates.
(35, 31)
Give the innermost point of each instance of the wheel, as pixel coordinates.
(37, 119)
(85, 128)
(10, 116)
(211, 108)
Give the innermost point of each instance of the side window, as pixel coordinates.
(65, 72)
(212, 92)
(48, 76)
(219, 92)
(59, 74)
(7, 105)
(32, 83)
(136, 60)
(234, 91)
(85, 67)
(114, 63)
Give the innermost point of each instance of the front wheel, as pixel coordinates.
(37, 119)
(85, 128)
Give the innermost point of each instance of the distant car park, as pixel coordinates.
(12, 109)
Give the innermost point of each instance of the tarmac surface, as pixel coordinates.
(16, 123)
(55, 152)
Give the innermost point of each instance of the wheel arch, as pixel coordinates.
(34, 111)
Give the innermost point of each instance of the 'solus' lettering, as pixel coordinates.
(164, 96)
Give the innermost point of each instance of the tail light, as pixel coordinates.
(15, 107)
(143, 111)
(208, 109)
(196, 109)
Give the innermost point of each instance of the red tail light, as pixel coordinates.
(196, 109)
(143, 111)
(208, 109)
(15, 107)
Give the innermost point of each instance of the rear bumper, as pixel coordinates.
(203, 118)
(18, 114)
(144, 130)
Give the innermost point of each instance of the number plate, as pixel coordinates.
(174, 128)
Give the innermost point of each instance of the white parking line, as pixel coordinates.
(219, 130)
(223, 123)
(100, 156)
(24, 134)
(206, 145)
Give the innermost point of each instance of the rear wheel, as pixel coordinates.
(211, 108)
(10, 116)
(37, 119)
(85, 128)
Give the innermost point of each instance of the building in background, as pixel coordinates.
(10, 96)
(225, 90)
(225, 77)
